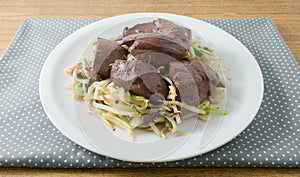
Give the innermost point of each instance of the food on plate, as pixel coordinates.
(107, 52)
(139, 78)
(160, 36)
(152, 77)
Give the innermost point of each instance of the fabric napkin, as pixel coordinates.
(28, 138)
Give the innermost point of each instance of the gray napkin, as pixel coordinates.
(28, 138)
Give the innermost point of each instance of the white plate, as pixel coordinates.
(244, 95)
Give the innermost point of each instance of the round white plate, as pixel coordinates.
(245, 91)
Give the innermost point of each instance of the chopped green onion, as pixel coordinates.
(86, 62)
(135, 109)
(129, 96)
(197, 52)
(213, 110)
(200, 52)
(170, 125)
(165, 114)
(79, 85)
(202, 103)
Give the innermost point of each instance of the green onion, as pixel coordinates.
(213, 110)
(171, 126)
(197, 52)
(165, 114)
(200, 52)
(129, 96)
(79, 85)
(135, 109)
(202, 103)
(86, 62)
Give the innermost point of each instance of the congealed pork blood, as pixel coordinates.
(158, 43)
(161, 26)
(140, 78)
(193, 80)
(160, 35)
(157, 60)
(106, 53)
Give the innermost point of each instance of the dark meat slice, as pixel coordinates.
(157, 60)
(158, 43)
(205, 72)
(107, 52)
(193, 80)
(187, 88)
(140, 78)
(161, 36)
(162, 26)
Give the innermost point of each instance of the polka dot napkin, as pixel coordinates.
(28, 138)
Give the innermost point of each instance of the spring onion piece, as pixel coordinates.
(169, 125)
(172, 122)
(129, 97)
(202, 103)
(213, 110)
(135, 109)
(200, 52)
(197, 52)
(79, 86)
(86, 62)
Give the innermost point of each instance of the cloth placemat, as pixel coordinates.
(28, 138)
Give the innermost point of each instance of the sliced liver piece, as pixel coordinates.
(161, 36)
(164, 27)
(140, 78)
(106, 53)
(157, 60)
(193, 80)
